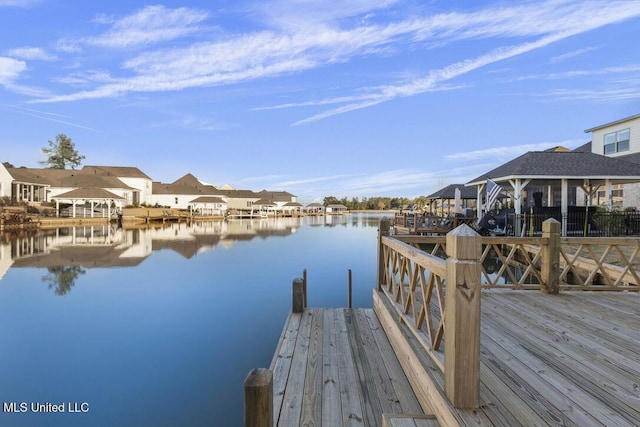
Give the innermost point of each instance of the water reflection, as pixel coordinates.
(65, 252)
(61, 279)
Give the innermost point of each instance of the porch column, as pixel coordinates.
(73, 203)
(608, 194)
(57, 208)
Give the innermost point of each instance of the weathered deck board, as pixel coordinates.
(339, 370)
(568, 359)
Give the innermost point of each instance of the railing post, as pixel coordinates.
(299, 296)
(385, 226)
(258, 398)
(462, 317)
(551, 257)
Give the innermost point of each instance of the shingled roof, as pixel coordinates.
(449, 192)
(559, 164)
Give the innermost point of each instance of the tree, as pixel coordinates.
(61, 153)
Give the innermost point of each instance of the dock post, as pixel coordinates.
(258, 398)
(551, 257)
(349, 288)
(299, 296)
(383, 231)
(304, 287)
(462, 314)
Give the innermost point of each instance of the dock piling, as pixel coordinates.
(258, 398)
(299, 296)
(349, 291)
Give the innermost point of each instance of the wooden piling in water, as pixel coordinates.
(299, 296)
(258, 398)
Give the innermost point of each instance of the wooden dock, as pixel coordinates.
(336, 367)
(569, 360)
(513, 354)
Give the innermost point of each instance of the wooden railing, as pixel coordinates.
(414, 282)
(415, 274)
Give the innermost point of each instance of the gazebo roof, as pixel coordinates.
(449, 192)
(208, 199)
(554, 165)
(88, 194)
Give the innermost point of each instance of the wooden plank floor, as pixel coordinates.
(570, 360)
(335, 367)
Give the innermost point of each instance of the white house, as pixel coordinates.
(182, 193)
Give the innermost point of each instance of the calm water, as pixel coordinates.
(160, 326)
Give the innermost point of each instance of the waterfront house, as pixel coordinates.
(88, 188)
(558, 175)
(183, 192)
(137, 180)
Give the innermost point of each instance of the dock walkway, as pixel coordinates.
(336, 367)
(568, 359)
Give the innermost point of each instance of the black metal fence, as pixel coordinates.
(587, 224)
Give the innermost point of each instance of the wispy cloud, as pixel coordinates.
(46, 115)
(333, 37)
(152, 24)
(31, 53)
(17, 3)
(508, 152)
(573, 54)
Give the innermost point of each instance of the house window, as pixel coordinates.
(615, 142)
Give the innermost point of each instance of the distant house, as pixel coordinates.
(292, 208)
(37, 185)
(182, 193)
(336, 209)
(314, 208)
(132, 176)
(209, 206)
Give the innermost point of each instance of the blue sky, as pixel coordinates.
(351, 98)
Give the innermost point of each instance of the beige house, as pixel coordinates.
(619, 139)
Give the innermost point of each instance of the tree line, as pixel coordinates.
(378, 203)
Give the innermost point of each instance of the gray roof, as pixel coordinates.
(65, 178)
(276, 196)
(118, 171)
(208, 199)
(449, 192)
(559, 164)
(88, 193)
(187, 185)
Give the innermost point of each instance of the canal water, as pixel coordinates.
(159, 326)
